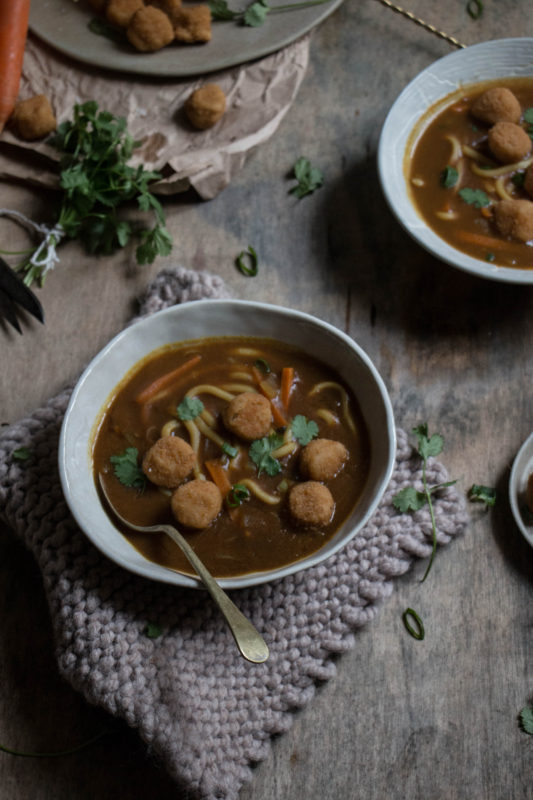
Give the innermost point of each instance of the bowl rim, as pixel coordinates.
(396, 192)
(146, 568)
(523, 461)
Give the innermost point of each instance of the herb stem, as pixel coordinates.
(433, 523)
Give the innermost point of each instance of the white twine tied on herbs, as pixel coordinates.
(44, 257)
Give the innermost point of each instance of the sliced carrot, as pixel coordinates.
(219, 476)
(287, 382)
(490, 242)
(13, 30)
(278, 416)
(486, 212)
(165, 380)
(266, 389)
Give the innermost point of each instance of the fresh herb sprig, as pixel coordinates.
(127, 470)
(482, 494)
(256, 12)
(410, 499)
(261, 454)
(309, 178)
(97, 181)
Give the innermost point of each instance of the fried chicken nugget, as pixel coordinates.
(194, 25)
(120, 12)
(33, 118)
(205, 106)
(150, 29)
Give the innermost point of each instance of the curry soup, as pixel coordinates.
(253, 531)
(455, 181)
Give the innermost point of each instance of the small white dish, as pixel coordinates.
(197, 320)
(520, 472)
(500, 58)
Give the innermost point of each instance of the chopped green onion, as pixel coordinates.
(418, 631)
(263, 365)
(237, 495)
(249, 269)
(229, 450)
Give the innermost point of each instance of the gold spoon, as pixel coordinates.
(249, 641)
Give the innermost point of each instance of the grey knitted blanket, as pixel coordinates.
(205, 711)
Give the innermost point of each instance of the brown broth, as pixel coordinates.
(255, 536)
(430, 153)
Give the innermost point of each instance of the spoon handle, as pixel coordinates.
(249, 641)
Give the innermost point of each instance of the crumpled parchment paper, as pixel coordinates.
(258, 93)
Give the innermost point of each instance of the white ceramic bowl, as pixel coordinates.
(500, 58)
(195, 320)
(520, 472)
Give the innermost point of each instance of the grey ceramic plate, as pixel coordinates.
(63, 25)
(522, 468)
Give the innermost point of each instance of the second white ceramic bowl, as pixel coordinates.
(501, 58)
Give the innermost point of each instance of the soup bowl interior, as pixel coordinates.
(205, 319)
(409, 117)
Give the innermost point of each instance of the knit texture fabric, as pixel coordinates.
(205, 711)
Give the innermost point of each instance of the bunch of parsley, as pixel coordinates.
(96, 181)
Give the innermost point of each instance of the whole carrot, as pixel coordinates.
(14, 15)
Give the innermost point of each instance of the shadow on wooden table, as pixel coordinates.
(41, 713)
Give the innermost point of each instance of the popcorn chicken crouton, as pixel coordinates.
(515, 218)
(120, 12)
(150, 29)
(33, 118)
(205, 106)
(194, 25)
(509, 142)
(497, 105)
(171, 8)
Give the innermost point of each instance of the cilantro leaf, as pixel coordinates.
(303, 429)
(256, 13)
(237, 495)
(261, 454)
(190, 408)
(428, 446)
(474, 197)
(409, 499)
(153, 630)
(220, 11)
(158, 241)
(127, 470)
(528, 115)
(22, 454)
(482, 494)
(526, 719)
(449, 177)
(309, 178)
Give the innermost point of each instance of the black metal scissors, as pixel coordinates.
(13, 293)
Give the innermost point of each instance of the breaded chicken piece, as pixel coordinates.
(150, 29)
(248, 416)
(528, 180)
(311, 503)
(169, 462)
(194, 25)
(509, 142)
(119, 12)
(205, 106)
(196, 504)
(497, 105)
(33, 118)
(322, 459)
(515, 218)
(171, 8)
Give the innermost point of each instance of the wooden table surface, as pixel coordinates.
(436, 719)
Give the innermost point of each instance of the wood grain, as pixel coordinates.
(433, 719)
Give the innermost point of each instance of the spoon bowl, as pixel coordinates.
(249, 641)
